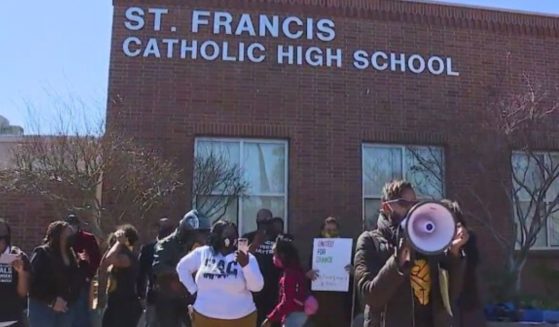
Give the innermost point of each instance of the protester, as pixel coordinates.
(335, 307)
(173, 299)
(146, 278)
(123, 304)
(399, 286)
(261, 245)
(86, 248)
(14, 279)
(225, 278)
(469, 310)
(56, 279)
(293, 286)
(278, 228)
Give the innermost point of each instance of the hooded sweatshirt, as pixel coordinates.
(292, 294)
(222, 287)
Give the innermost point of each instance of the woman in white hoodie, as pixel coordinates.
(224, 280)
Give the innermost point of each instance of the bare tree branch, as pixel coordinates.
(68, 169)
(517, 118)
(216, 184)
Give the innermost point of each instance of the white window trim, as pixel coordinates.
(546, 155)
(241, 142)
(403, 147)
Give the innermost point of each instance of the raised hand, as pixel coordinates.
(241, 258)
(312, 274)
(60, 305)
(460, 239)
(18, 265)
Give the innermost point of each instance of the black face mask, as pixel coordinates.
(71, 239)
(183, 235)
(273, 233)
(6, 239)
(265, 227)
(164, 233)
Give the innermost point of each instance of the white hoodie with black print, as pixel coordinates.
(223, 287)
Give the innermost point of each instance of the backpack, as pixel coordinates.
(311, 305)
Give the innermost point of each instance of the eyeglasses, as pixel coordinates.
(403, 201)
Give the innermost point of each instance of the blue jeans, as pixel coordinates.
(41, 315)
(82, 316)
(295, 319)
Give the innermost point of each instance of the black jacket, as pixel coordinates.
(168, 252)
(146, 278)
(51, 278)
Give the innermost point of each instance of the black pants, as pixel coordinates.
(172, 312)
(18, 324)
(264, 306)
(122, 314)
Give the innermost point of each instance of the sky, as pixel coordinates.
(55, 53)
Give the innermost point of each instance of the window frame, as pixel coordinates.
(404, 168)
(546, 155)
(241, 141)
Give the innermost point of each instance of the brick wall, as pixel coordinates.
(326, 113)
(28, 216)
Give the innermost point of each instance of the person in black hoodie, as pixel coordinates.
(146, 278)
(261, 246)
(56, 279)
(173, 299)
(14, 280)
(469, 308)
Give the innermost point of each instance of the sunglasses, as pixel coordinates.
(402, 201)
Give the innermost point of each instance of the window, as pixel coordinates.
(420, 165)
(534, 175)
(263, 165)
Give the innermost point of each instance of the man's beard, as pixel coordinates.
(396, 218)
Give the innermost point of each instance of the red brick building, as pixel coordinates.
(320, 101)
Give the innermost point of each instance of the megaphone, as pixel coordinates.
(429, 227)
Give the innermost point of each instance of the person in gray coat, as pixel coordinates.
(402, 288)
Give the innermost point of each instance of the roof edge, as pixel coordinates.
(487, 8)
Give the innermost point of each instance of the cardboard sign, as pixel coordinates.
(331, 257)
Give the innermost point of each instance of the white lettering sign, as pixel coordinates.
(259, 28)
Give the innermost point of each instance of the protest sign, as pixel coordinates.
(331, 257)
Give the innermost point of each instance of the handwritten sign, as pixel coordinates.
(330, 258)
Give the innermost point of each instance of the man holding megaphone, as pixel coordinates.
(409, 270)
